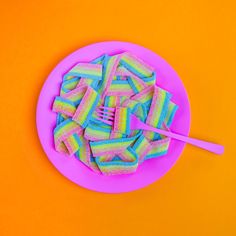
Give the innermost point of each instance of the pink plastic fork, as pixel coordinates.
(106, 114)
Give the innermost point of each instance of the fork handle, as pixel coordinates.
(212, 147)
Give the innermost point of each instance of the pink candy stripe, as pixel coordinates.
(153, 105)
(87, 66)
(116, 152)
(142, 93)
(120, 93)
(69, 148)
(117, 119)
(75, 91)
(145, 152)
(65, 135)
(82, 82)
(124, 72)
(141, 62)
(81, 107)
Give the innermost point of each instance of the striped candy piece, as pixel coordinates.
(136, 65)
(145, 95)
(76, 94)
(171, 110)
(64, 106)
(120, 88)
(94, 132)
(118, 165)
(72, 143)
(109, 69)
(112, 146)
(142, 147)
(86, 107)
(69, 85)
(84, 154)
(135, 82)
(67, 127)
(112, 101)
(67, 133)
(87, 99)
(159, 148)
(122, 120)
(158, 110)
(137, 108)
(85, 70)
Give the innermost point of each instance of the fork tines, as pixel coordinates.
(105, 114)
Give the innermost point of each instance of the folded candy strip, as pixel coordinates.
(111, 146)
(85, 156)
(159, 100)
(66, 137)
(135, 82)
(64, 106)
(142, 147)
(159, 148)
(73, 143)
(86, 107)
(86, 100)
(126, 83)
(119, 166)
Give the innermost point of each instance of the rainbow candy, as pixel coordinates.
(112, 146)
(84, 154)
(170, 113)
(157, 112)
(136, 65)
(66, 137)
(110, 65)
(85, 97)
(73, 143)
(64, 106)
(85, 70)
(94, 132)
(86, 107)
(142, 147)
(118, 165)
(159, 148)
(120, 88)
(112, 101)
(122, 120)
(76, 94)
(135, 82)
(137, 108)
(69, 85)
(123, 82)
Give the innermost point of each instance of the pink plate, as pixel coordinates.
(150, 170)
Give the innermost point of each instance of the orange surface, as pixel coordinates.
(197, 197)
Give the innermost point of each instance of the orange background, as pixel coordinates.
(197, 197)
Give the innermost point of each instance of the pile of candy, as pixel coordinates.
(126, 83)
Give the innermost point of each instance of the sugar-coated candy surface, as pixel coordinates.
(121, 81)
